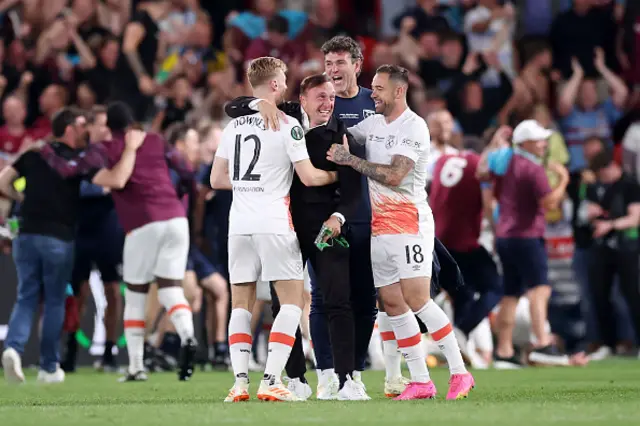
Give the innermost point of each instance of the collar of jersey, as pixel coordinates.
(397, 120)
(529, 156)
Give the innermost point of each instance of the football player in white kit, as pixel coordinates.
(397, 145)
(257, 164)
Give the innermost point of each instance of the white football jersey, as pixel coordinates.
(401, 209)
(261, 171)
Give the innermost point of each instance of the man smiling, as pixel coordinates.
(313, 207)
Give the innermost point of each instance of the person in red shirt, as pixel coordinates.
(14, 133)
(459, 201)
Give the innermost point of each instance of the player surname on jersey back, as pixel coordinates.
(250, 120)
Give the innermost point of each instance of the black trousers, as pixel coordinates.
(332, 271)
(606, 264)
(331, 267)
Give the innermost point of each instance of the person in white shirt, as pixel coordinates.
(257, 164)
(403, 231)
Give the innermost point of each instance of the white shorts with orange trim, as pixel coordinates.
(264, 257)
(156, 250)
(402, 256)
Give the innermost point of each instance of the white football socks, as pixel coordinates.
(177, 307)
(442, 333)
(240, 342)
(392, 356)
(281, 339)
(409, 338)
(134, 328)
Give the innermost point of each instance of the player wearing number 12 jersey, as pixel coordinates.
(256, 163)
(459, 201)
(397, 148)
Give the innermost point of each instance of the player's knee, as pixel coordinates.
(195, 301)
(243, 296)
(540, 293)
(393, 300)
(290, 292)
(416, 292)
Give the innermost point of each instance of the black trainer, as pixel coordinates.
(187, 360)
(548, 355)
(140, 376)
(511, 363)
(69, 363)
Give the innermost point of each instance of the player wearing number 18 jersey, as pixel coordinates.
(397, 142)
(458, 201)
(256, 163)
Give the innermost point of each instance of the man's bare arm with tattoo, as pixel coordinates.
(388, 174)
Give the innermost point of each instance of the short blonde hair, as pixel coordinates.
(264, 69)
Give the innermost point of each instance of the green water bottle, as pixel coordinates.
(14, 226)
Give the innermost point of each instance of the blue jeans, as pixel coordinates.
(44, 267)
(623, 324)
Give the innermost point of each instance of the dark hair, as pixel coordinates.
(177, 132)
(448, 36)
(601, 160)
(119, 116)
(396, 73)
(94, 112)
(278, 24)
(340, 44)
(62, 119)
(313, 81)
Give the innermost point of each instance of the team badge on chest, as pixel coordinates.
(391, 142)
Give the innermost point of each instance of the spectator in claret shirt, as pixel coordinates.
(523, 193)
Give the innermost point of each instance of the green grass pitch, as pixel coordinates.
(601, 394)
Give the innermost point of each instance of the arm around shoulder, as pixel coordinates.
(310, 176)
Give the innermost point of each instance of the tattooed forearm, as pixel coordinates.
(136, 64)
(391, 174)
(374, 171)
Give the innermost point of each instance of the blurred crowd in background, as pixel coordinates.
(573, 65)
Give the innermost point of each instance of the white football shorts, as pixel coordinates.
(403, 256)
(157, 249)
(264, 257)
